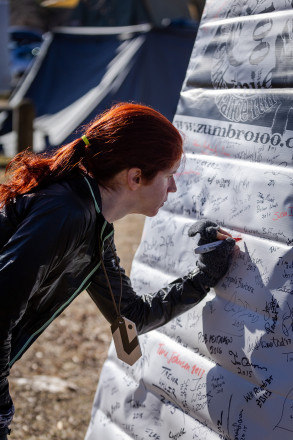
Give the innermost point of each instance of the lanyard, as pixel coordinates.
(123, 330)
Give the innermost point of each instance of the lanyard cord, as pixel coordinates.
(102, 261)
(117, 309)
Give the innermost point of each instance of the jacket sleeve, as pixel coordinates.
(25, 260)
(147, 311)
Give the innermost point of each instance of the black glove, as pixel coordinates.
(3, 433)
(207, 230)
(212, 265)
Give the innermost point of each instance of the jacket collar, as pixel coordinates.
(107, 228)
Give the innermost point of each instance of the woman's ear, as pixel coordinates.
(134, 178)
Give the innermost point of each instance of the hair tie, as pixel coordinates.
(85, 140)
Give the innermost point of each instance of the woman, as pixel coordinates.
(56, 232)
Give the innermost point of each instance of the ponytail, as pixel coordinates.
(28, 170)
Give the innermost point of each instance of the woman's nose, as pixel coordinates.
(172, 187)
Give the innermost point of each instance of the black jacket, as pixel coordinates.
(51, 244)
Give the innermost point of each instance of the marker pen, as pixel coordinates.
(209, 247)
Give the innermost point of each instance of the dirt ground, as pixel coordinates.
(53, 385)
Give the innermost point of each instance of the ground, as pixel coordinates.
(54, 383)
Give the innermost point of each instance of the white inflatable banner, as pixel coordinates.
(223, 370)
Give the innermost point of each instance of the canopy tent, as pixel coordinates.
(82, 71)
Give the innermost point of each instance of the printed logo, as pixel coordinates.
(251, 53)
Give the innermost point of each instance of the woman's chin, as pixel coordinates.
(153, 213)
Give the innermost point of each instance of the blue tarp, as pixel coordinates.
(83, 71)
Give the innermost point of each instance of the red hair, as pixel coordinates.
(125, 136)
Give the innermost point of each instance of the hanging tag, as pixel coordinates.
(126, 340)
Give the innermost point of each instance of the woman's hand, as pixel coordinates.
(212, 265)
(209, 232)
